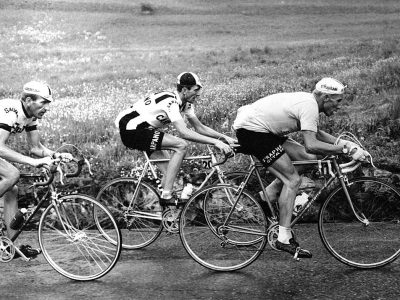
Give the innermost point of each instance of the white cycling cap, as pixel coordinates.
(330, 86)
(188, 79)
(38, 88)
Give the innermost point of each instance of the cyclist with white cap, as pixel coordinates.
(261, 129)
(139, 128)
(15, 117)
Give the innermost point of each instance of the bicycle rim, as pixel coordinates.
(370, 245)
(72, 242)
(214, 245)
(139, 219)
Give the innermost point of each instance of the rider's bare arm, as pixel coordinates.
(190, 135)
(193, 136)
(11, 155)
(36, 147)
(320, 145)
(207, 131)
(326, 137)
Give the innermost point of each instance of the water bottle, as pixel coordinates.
(187, 191)
(18, 219)
(299, 202)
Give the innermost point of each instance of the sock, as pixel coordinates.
(166, 194)
(284, 234)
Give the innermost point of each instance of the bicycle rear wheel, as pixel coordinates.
(72, 242)
(219, 243)
(139, 219)
(373, 243)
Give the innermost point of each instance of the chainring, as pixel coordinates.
(170, 220)
(272, 235)
(7, 249)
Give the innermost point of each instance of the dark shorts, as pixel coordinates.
(266, 147)
(148, 140)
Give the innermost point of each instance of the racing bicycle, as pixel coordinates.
(77, 235)
(134, 200)
(224, 227)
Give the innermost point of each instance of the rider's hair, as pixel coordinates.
(179, 87)
(26, 95)
(319, 94)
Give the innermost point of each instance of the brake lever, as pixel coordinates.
(60, 171)
(88, 165)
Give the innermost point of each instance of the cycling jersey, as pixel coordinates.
(14, 118)
(154, 111)
(280, 114)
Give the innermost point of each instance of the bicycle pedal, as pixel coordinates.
(296, 254)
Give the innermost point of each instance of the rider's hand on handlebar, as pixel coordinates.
(223, 147)
(230, 141)
(349, 144)
(359, 154)
(355, 151)
(64, 156)
(40, 162)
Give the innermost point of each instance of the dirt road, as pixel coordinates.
(165, 271)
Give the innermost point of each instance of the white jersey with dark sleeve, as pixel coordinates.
(14, 118)
(154, 111)
(280, 114)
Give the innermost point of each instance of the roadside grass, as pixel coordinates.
(96, 72)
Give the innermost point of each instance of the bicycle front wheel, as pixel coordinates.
(72, 242)
(368, 238)
(139, 218)
(219, 233)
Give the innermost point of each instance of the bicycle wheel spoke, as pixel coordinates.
(217, 242)
(371, 242)
(77, 243)
(138, 218)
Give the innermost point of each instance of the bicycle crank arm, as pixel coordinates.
(22, 255)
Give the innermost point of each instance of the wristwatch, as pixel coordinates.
(345, 150)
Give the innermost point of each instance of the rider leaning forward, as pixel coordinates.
(17, 115)
(262, 128)
(140, 126)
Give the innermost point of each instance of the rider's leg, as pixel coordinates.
(179, 148)
(284, 170)
(9, 176)
(295, 151)
(10, 208)
(163, 166)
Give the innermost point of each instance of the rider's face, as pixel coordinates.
(37, 108)
(332, 104)
(192, 94)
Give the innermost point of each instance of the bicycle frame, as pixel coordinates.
(38, 206)
(149, 165)
(324, 165)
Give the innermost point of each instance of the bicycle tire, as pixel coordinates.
(349, 240)
(213, 245)
(71, 241)
(140, 221)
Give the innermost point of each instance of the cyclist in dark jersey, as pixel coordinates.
(139, 127)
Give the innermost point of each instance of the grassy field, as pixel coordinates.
(99, 56)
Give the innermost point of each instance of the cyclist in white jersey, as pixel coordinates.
(139, 126)
(261, 129)
(15, 117)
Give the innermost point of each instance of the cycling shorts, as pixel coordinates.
(144, 139)
(265, 146)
